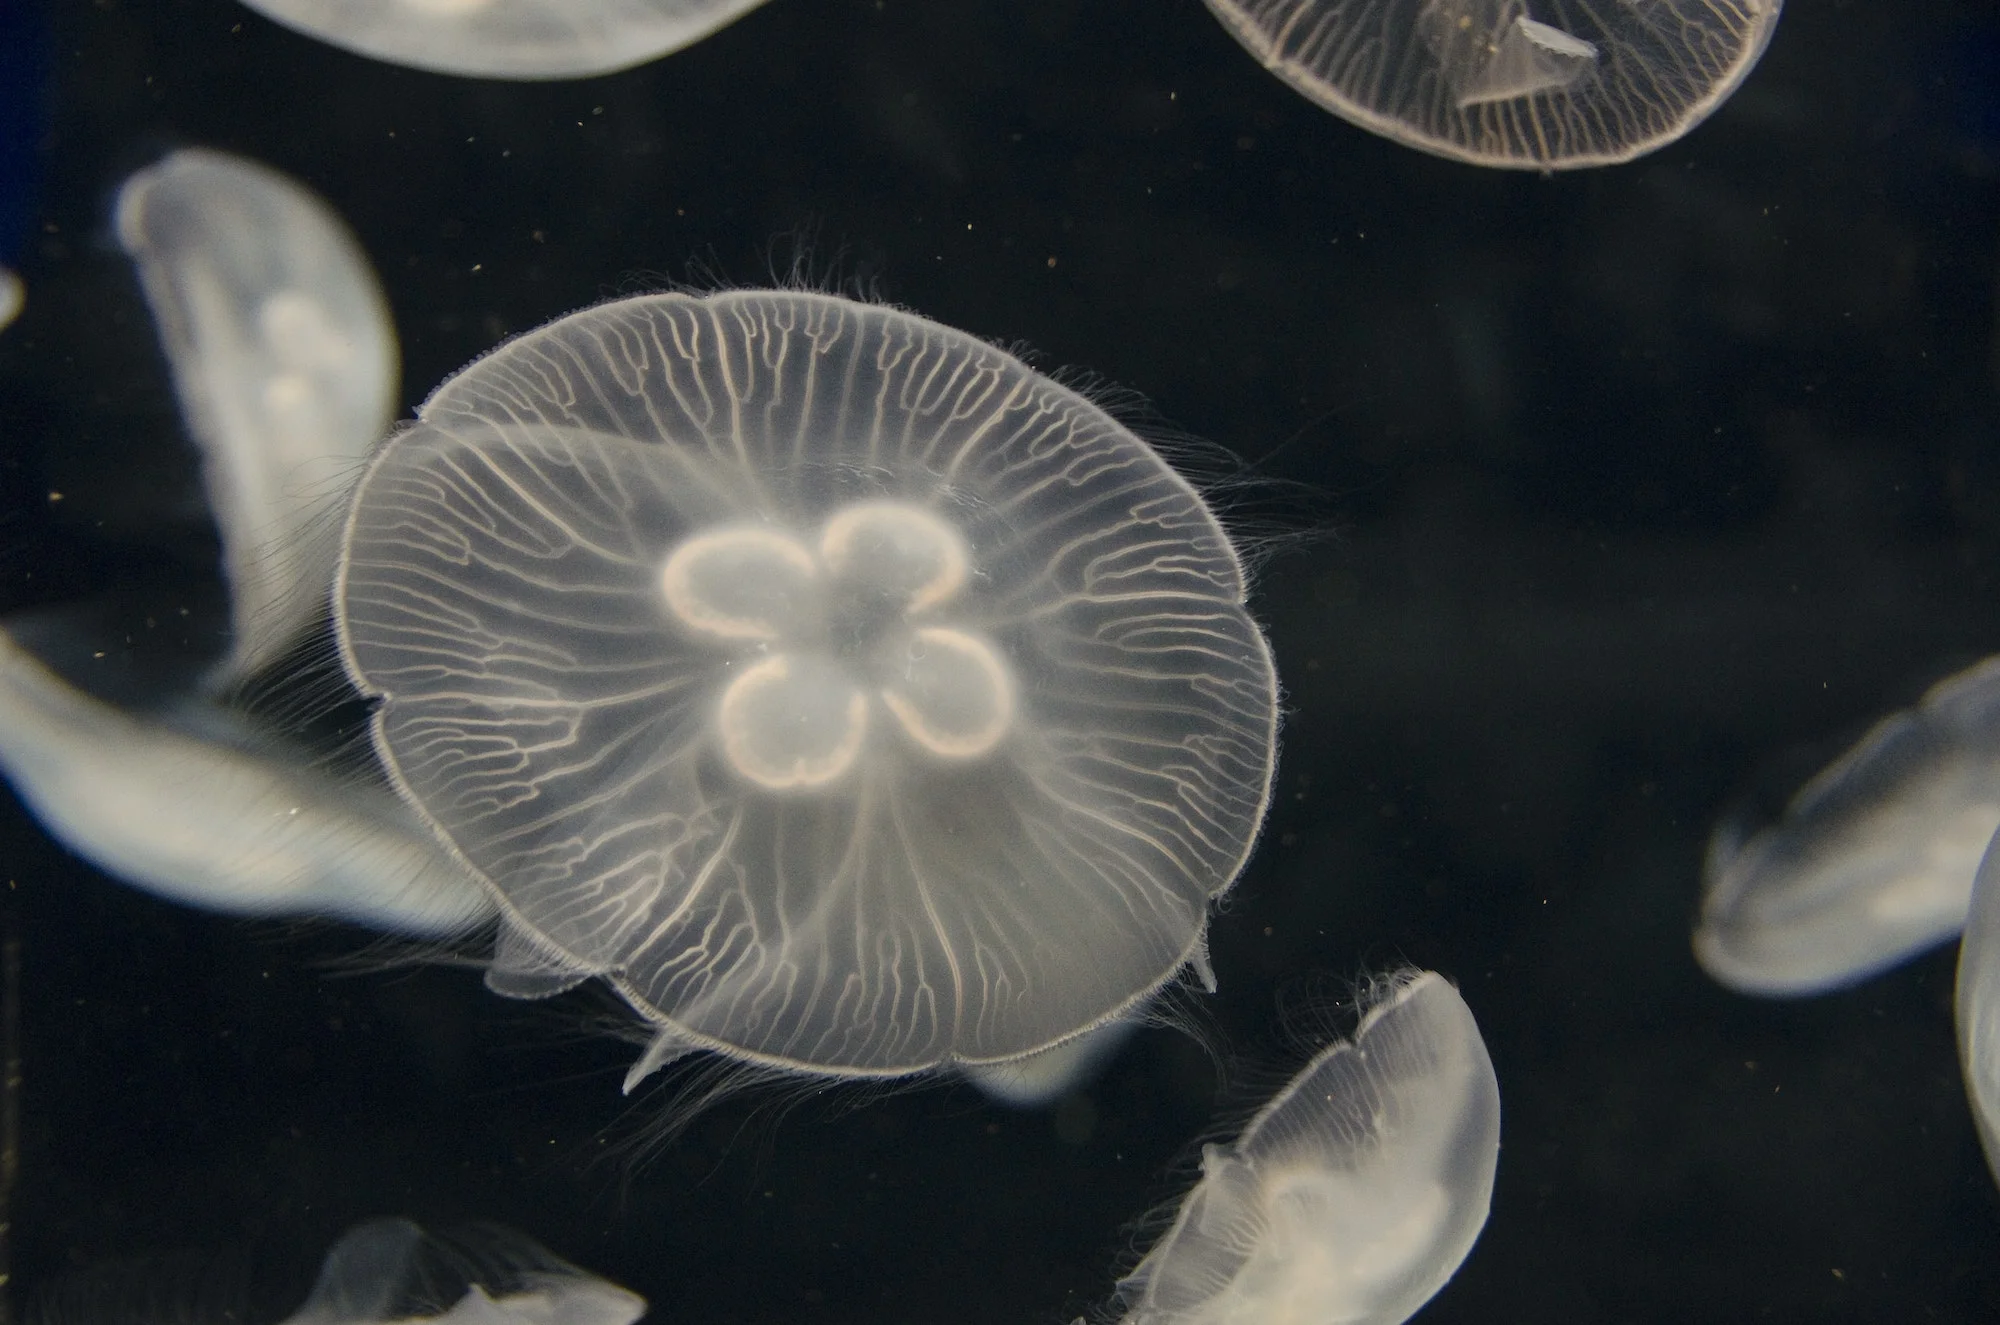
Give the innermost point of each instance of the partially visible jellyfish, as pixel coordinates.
(1873, 860)
(1044, 1077)
(1354, 1194)
(24, 61)
(847, 695)
(1978, 1006)
(391, 1270)
(511, 39)
(284, 358)
(1524, 84)
(219, 823)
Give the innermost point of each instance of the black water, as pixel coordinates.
(1626, 484)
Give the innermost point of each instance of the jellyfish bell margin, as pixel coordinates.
(846, 694)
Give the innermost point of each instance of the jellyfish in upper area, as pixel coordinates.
(1526, 84)
(391, 1270)
(284, 358)
(1354, 1194)
(1873, 860)
(510, 39)
(1978, 1005)
(849, 696)
(24, 52)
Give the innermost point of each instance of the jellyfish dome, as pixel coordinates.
(1354, 1195)
(520, 40)
(848, 695)
(1527, 84)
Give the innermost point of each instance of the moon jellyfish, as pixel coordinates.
(1526, 84)
(284, 358)
(206, 822)
(511, 39)
(1354, 1194)
(1873, 860)
(1978, 1006)
(391, 1270)
(846, 694)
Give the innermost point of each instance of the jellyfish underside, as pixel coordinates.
(848, 696)
(508, 39)
(1354, 1195)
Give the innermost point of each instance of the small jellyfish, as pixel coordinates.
(849, 696)
(208, 821)
(1354, 1194)
(511, 39)
(1491, 83)
(1873, 860)
(284, 358)
(391, 1270)
(1978, 1006)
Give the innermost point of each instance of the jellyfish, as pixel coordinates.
(284, 359)
(391, 1270)
(23, 71)
(1354, 1194)
(847, 695)
(1044, 1077)
(1491, 83)
(1978, 1005)
(1873, 860)
(509, 39)
(210, 813)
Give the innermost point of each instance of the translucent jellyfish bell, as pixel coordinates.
(1873, 860)
(1978, 1006)
(1528, 84)
(392, 1270)
(847, 694)
(511, 39)
(1354, 1194)
(207, 821)
(285, 361)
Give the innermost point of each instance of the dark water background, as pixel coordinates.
(1629, 483)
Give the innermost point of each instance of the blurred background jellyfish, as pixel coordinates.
(849, 696)
(284, 359)
(392, 1270)
(1873, 860)
(510, 39)
(1977, 1006)
(1547, 85)
(1354, 1194)
(24, 59)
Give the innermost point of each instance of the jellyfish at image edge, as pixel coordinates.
(849, 696)
(1978, 1006)
(1526, 84)
(508, 39)
(1873, 860)
(1354, 1194)
(274, 327)
(389, 1270)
